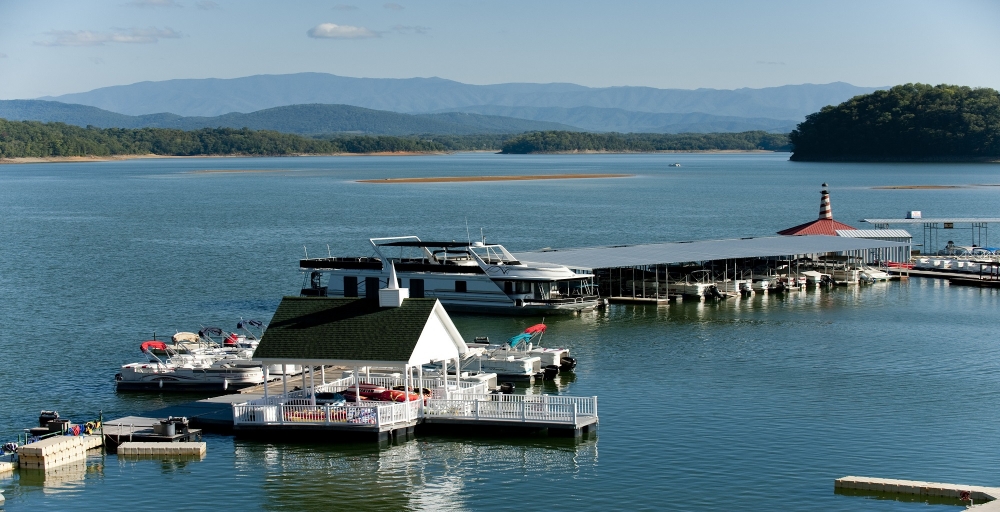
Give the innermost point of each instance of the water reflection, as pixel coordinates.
(425, 473)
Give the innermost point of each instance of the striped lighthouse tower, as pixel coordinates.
(824, 205)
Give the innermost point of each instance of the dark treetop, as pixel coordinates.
(561, 142)
(911, 122)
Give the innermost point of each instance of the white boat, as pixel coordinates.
(464, 276)
(873, 274)
(520, 357)
(201, 371)
(698, 284)
(815, 278)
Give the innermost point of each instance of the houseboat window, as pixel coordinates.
(460, 286)
(372, 284)
(350, 286)
(522, 286)
(417, 288)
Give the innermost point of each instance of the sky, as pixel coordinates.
(52, 47)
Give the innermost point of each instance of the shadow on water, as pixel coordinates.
(425, 473)
(905, 498)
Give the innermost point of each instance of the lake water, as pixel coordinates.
(748, 404)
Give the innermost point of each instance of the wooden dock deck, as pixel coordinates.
(984, 498)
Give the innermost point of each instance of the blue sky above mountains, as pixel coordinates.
(52, 47)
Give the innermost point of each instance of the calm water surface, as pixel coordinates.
(747, 405)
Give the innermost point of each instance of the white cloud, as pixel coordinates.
(393, 6)
(154, 3)
(3, 55)
(334, 31)
(91, 38)
(407, 29)
(206, 5)
(345, 7)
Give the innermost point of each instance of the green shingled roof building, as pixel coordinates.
(359, 332)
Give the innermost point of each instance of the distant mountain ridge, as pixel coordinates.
(617, 120)
(298, 119)
(213, 97)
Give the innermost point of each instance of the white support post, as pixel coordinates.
(322, 373)
(284, 380)
(444, 377)
(420, 385)
(357, 386)
(267, 377)
(312, 386)
(406, 390)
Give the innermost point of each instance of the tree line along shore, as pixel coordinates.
(29, 139)
(912, 122)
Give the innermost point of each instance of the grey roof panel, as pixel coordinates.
(874, 233)
(703, 250)
(933, 220)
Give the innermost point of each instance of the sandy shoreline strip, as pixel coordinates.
(916, 187)
(459, 179)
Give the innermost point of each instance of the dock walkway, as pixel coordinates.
(984, 498)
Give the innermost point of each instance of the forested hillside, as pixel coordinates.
(33, 139)
(561, 142)
(313, 119)
(909, 122)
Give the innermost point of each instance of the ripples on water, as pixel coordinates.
(753, 404)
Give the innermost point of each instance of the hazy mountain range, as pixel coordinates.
(301, 119)
(625, 109)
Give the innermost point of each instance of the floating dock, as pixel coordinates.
(141, 428)
(147, 449)
(984, 497)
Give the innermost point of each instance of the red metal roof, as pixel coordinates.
(817, 227)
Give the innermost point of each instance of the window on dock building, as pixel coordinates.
(417, 288)
(350, 286)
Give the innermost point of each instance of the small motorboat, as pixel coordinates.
(520, 357)
(200, 371)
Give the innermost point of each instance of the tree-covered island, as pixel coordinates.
(912, 122)
(576, 142)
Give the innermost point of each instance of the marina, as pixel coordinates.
(811, 384)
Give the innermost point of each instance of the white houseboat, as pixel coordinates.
(464, 276)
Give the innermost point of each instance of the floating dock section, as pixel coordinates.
(52, 452)
(984, 498)
(151, 449)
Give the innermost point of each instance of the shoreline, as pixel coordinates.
(466, 179)
(657, 152)
(113, 158)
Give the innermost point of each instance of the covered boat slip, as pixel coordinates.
(976, 229)
(650, 271)
(399, 336)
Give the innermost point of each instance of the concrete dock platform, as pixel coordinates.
(984, 497)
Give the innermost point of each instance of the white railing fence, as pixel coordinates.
(435, 385)
(552, 409)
